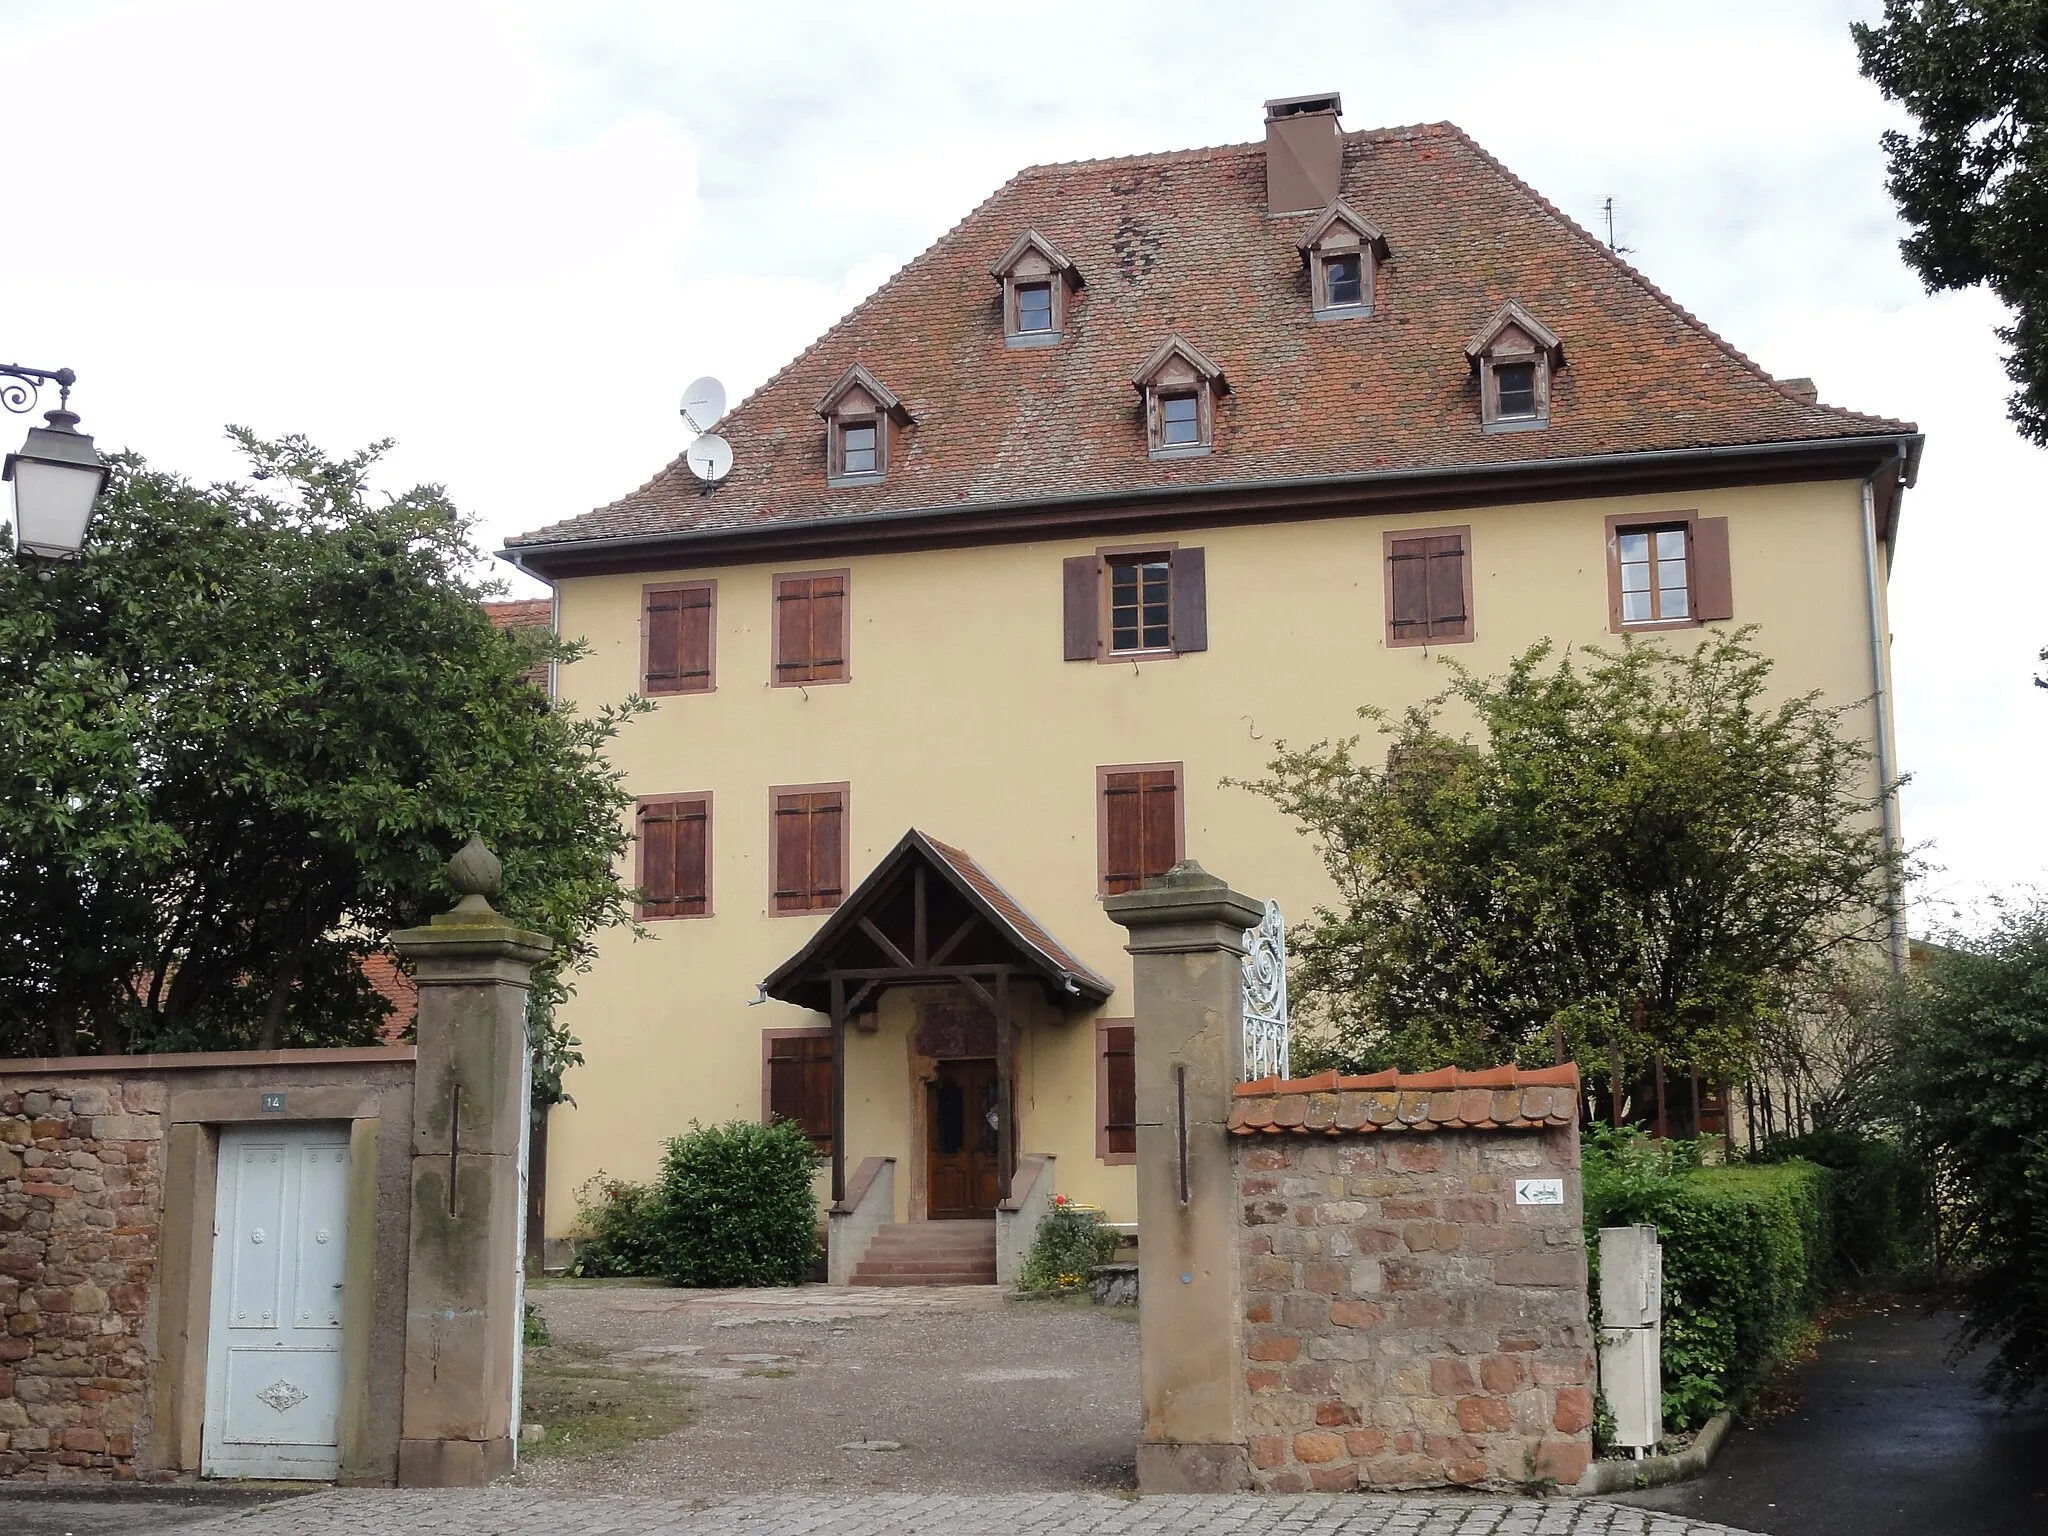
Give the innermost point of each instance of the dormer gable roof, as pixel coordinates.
(1178, 348)
(1341, 215)
(1512, 317)
(858, 378)
(1055, 258)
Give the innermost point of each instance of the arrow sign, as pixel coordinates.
(1539, 1191)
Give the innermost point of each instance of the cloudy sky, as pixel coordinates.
(507, 234)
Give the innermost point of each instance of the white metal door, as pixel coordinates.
(273, 1362)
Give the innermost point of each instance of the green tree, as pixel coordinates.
(1972, 180)
(1641, 850)
(238, 740)
(1971, 1076)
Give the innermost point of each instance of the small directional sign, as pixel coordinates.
(1539, 1191)
(273, 1104)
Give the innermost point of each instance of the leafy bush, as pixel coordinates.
(1747, 1254)
(1071, 1241)
(1972, 1081)
(614, 1228)
(735, 1206)
(1880, 1196)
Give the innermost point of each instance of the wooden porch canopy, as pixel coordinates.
(929, 915)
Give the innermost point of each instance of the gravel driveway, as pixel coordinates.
(976, 1392)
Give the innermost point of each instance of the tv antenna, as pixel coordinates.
(709, 455)
(1607, 211)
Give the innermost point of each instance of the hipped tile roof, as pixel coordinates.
(1182, 242)
(1501, 1098)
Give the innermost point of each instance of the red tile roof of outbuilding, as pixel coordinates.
(1182, 242)
(1448, 1099)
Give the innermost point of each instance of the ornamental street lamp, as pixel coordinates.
(56, 475)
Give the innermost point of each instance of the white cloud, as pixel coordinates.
(507, 234)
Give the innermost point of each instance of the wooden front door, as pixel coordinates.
(961, 1157)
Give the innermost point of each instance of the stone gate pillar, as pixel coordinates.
(462, 1324)
(1187, 944)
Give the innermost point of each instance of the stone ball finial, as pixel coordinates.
(475, 870)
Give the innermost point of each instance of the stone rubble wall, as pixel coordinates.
(81, 1180)
(1406, 1323)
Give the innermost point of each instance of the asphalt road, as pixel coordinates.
(84, 1511)
(1886, 1438)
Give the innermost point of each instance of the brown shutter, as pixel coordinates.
(1123, 843)
(1408, 568)
(828, 628)
(1162, 822)
(693, 640)
(1190, 610)
(792, 852)
(692, 858)
(1713, 587)
(828, 827)
(792, 630)
(658, 859)
(1120, 1129)
(1080, 580)
(1446, 561)
(817, 1092)
(664, 642)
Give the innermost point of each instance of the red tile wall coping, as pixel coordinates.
(191, 1061)
(1499, 1098)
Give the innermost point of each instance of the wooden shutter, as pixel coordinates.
(1446, 564)
(809, 849)
(675, 857)
(792, 832)
(1120, 1091)
(1426, 586)
(1140, 826)
(1190, 570)
(799, 1084)
(679, 639)
(1407, 590)
(1713, 587)
(810, 628)
(1080, 583)
(827, 834)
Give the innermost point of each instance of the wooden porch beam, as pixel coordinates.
(1006, 1129)
(886, 945)
(838, 1091)
(953, 942)
(920, 934)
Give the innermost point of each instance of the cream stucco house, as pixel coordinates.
(1144, 466)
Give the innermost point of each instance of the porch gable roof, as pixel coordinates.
(929, 914)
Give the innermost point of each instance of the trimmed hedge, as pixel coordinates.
(733, 1205)
(1883, 1201)
(1748, 1252)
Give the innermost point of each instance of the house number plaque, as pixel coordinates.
(273, 1104)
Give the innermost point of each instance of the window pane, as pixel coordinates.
(1635, 576)
(1517, 385)
(1179, 419)
(1673, 603)
(1635, 607)
(1140, 604)
(1034, 307)
(1635, 546)
(1670, 544)
(1341, 277)
(858, 450)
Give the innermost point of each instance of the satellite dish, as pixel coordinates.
(710, 458)
(703, 404)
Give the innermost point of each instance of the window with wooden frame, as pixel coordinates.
(796, 1081)
(1135, 604)
(678, 635)
(1515, 360)
(674, 840)
(1668, 572)
(1180, 388)
(1140, 829)
(1038, 282)
(808, 847)
(1341, 251)
(1429, 586)
(1116, 1091)
(810, 628)
(859, 412)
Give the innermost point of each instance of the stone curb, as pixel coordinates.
(1623, 1476)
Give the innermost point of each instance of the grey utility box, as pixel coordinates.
(1631, 1334)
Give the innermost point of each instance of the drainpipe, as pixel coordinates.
(1887, 804)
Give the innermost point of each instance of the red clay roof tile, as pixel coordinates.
(1182, 243)
(1500, 1098)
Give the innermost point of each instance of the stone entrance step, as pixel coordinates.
(930, 1253)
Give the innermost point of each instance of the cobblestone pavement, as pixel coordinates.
(516, 1512)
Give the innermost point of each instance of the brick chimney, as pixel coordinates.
(1304, 152)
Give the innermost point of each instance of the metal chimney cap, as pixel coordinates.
(1301, 106)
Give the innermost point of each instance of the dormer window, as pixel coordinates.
(1341, 251)
(859, 412)
(1179, 387)
(1514, 358)
(1038, 281)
